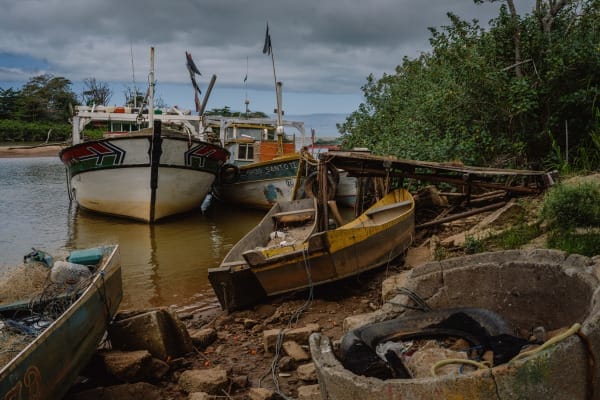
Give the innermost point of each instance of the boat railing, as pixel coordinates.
(372, 211)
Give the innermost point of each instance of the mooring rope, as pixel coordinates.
(294, 318)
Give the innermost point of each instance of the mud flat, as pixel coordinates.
(29, 151)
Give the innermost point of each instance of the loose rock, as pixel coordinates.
(210, 380)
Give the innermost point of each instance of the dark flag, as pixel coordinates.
(267, 49)
(193, 70)
(191, 65)
(245, 78)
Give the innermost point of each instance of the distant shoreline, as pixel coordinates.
(30, 151)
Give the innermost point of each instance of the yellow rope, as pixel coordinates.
(439, 364)
(571, 331)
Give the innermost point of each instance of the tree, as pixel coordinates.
(498, 97)
(95, 92)
(134, 99)
(8, 103)
(45, 97)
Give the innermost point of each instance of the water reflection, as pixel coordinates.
(165, 263)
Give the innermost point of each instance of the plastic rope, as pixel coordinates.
(439, 364)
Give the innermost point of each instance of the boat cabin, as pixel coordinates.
(255, 140)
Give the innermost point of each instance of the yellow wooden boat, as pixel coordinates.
(286, 252)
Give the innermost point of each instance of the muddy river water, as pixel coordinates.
(162, 264)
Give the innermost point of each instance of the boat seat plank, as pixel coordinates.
(294, 216)
(374, 211)
(294, 212)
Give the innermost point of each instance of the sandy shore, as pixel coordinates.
(28, 151)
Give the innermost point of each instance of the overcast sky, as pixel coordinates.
(324, 49)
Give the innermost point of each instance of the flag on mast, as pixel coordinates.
(267, 49)
(193, 70)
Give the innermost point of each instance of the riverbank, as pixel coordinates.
(30, 151)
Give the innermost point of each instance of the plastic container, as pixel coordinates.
(87, 256)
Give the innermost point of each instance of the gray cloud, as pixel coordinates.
(321, 46)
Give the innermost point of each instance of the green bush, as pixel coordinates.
(570, 206)
(21, 131)
(572, 213)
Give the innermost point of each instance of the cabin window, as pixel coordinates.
(245, 151)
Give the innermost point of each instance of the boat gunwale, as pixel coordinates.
(104, 272)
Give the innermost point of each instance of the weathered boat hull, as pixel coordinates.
(129, 177)
(325, 257)
(262, 184)
(47, 367)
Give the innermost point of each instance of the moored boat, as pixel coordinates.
(256, 268)
(59, 340)
(140, 175)
(148, 165)
(263, 165)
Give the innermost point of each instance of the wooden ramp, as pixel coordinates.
(511, 180)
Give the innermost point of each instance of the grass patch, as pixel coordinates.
(587, 244)
(473, 245)
(515, 237)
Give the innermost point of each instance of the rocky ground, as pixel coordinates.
(235, 352)
(235, 343)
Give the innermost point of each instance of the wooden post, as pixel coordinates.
(323, 195)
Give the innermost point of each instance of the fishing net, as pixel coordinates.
(44, 301)
(20, 282)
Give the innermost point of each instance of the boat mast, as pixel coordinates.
(268, 48)
(151, 89)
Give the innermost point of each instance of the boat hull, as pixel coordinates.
(140, 177)
(262, 184)
(47, 367)
(325, 257)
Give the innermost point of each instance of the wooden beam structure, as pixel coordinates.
(466, 177)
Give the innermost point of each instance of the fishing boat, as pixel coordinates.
(148, 165)
(305, 254)
(263, 164)
(60, 333)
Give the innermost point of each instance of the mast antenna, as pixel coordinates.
(133, 74)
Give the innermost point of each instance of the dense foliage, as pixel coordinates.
(43, 104)
(22, 131)
(505, 96)
(572, 214)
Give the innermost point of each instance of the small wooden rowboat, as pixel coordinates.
(59, 348)
(256, 268)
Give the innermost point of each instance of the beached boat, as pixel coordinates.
(264, 162)
(304, 255)
(148, 165)
(61, 333)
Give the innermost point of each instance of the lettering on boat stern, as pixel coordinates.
(28, 387)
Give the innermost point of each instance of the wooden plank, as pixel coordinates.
(294, 212)
(461, 215)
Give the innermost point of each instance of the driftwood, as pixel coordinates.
(461, 215)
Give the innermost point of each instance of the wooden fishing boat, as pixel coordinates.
(264, 162)
(255, 269)
(142, 175)
(61, 346)
(148, 165)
